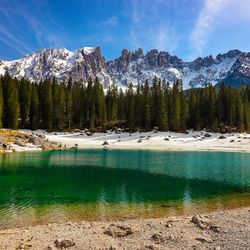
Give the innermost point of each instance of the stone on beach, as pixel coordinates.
(120, 231)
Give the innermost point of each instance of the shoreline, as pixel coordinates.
(225, 229)
(153, 141)
(160, 141)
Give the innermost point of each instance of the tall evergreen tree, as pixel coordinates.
(12, 107)
(1, 105)
(34, 109)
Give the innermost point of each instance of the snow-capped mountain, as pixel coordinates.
(136, 67)
(131, 67)
(79, 65)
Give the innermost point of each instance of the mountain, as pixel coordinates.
(80, 65)
(131, 67)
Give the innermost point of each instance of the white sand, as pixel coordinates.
(194, 141)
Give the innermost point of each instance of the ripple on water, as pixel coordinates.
(94, 184)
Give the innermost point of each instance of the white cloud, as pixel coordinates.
(112, 22)
(214, 14)
(149, 28)
(44, 29)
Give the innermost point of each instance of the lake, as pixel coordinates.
(56, 186)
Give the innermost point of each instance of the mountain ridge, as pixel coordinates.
(131, 67)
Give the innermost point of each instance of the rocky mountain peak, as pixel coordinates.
(131, 67)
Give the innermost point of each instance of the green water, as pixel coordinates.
(53, 186)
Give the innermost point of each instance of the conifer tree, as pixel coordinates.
(176, 106)
(12, 107)
(46, 102)
(69, 103)
(34, 109)
(146, 108)
(130, 102)
(24, 99)
(62, 106)
(1, 105)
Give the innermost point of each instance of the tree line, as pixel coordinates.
(59, 106)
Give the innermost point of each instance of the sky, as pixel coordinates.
(186, 28)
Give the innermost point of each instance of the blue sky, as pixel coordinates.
(186, 28)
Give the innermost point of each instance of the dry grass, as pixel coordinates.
(10, 135)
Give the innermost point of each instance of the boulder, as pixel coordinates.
(37, 141)
(19, 143)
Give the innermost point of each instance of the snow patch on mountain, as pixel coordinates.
(131, 67)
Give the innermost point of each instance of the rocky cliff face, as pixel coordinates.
(80, 65)
(131, 67)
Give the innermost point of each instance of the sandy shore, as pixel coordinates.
(193, 141)
(218, 230)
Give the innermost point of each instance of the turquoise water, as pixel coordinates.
(38, 187)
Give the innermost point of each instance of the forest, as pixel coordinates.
(69, 105)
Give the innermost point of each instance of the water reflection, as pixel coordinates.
(56, 185)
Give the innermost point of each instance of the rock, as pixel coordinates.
(105, 143)
(19, 143)
(169, 224)
(217, 248)
(139, 141)
(64, 243)
(222, 137)
(157, 238)
(24, 246)
(207, 135)
(151, 247)
(204, 239)
(89, 133)
(166, 139)
(201, 222)
(215, 228)
(232, 141)
(120, 231)
(37, 141)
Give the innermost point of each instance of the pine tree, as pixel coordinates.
(24, 99)
(130, 103)
(34, 109)
(69, 103)
(120, 106)
(1, 105)
(176, 106)
(46, 102)
(12, 107)
(62, 105)
(240, 114)
(146, 108)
